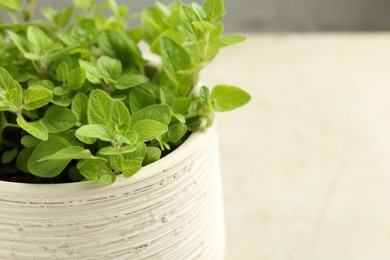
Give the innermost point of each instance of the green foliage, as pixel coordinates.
(78, 98)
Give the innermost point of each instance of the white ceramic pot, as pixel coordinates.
(171, 209)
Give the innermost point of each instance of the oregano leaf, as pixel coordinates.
(36, 97)
(226, 98)
(36, 129)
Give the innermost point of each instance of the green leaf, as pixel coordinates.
(130, 167)
(119, 118)
(130, 80)
(85, 5)
(214, 10)
(159, 113)
(175, 58)
(58, 119)
(48, 169)
(22, 159)
(117, 44)
(36, 97)
(99, 104)
(167, 96)
(30, 141)
(48, 12)
(11, 5)
(124, 166)
(97, 170)
(39, 39)
(70, 153)
(199, 11)
(76, 78)
(176, 132)
(79, 108)
(152, 154)
(229, 40)
(109, 67)
(181, 105)
(94, 131)
(62, 18)
(139, 99)
(188, 16)
(204, 26)
(63, 100)
(36, 129)
(10, 92)
(109, 150)
(9, 155)
(20, 42)
(149, 129)
(92, 71)
(226, 98)
(138, 154)
(62, 72)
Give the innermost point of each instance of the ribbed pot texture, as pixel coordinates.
(171, 209)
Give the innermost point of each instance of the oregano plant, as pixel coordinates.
(79, 100)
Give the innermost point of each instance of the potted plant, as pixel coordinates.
(83, 109)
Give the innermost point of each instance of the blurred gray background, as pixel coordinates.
(288, 15)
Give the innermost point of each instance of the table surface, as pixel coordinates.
(305, 166)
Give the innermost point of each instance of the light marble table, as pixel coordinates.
(306, 165)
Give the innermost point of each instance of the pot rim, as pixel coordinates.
(79, 188)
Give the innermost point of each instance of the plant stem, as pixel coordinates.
(13, 17)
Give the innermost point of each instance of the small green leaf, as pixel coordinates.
(149, 129)
(36, 97)
(62, 72)
(229, 40)
(152, 154)
(11, 5)
(214, 10)
(70, 153)
(22, 159)
(130, 167)
(48, 169)
(130, 80)
(176, 132)
(10, 92)
(36, 129)
(30, 141)
(181, 105)
(62, 18)
(204, 26)
(119, 119)
(109, 67)
(97, 170)
(99, 104)
(94, 131)
(39, 39)
(160, 113)
(92, 71)
(79, 108)
(85, 5)
(188, 16)
(9, 155)
(226, 98)
(109, 150)
(48, 12)
(175, 58)
(139, 99)
(58, 119)
(20, 42)
(76, 78)
(125, 166)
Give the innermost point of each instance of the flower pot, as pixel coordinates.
(171, 209)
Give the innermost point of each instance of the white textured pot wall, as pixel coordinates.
(172, 209)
